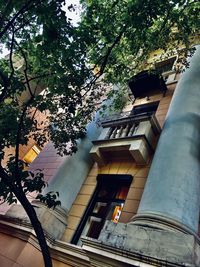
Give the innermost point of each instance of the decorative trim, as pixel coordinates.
(109, 256)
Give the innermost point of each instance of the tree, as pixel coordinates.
(52, 67)
(45, 72)
(124, 33)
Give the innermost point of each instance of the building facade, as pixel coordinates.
(131, 194)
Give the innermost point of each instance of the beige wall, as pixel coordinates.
(18, 253)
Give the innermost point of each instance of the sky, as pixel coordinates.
(75, 16)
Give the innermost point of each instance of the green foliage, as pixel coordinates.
(50, 199)
(30, 182)
(33, 181)
(123, 33)
(6, 194)
(45, 72)
(118, 96)
(47, 53)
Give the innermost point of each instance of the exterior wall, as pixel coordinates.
(49, 161)
(120, 166)
(123, 165)
(164, 230)
(18, 253)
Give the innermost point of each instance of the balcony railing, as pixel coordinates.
(122, 131)
(120, 117)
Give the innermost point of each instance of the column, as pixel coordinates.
(73, 171)
(172, 191)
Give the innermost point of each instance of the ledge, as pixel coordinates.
(126, 244)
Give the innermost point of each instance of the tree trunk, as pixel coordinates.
(20, 195)
(37, 228)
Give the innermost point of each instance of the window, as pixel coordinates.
(166, 68)
(149, 109)
(32, 154)
(106, 204)
(166, 65)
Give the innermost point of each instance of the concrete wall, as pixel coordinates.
(17, 253)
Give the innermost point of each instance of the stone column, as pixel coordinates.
(67, 181)
(172, 192)
(73, 171)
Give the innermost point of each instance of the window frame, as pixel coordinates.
(148, 108)
(102, 179)
(170, 73)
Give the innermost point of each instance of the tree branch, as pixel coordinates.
(109, 51)
(18, 138)
(5, 81)
(10, 23)
(25, 69)
(104, 63)
(11, 54)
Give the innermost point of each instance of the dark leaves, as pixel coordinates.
(50, 199)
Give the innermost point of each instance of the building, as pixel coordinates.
(137, 202)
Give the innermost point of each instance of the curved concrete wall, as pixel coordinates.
(73, 171)
(173, 185)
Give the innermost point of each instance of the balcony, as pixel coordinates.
(134, 134)
(145, 82)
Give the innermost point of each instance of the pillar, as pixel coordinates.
(172, 191)
(73, 171)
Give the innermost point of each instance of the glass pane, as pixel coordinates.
(98, 206)
(115, 211)
(107, 191)
(122, 192)
(95, 226)
(101, 209)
